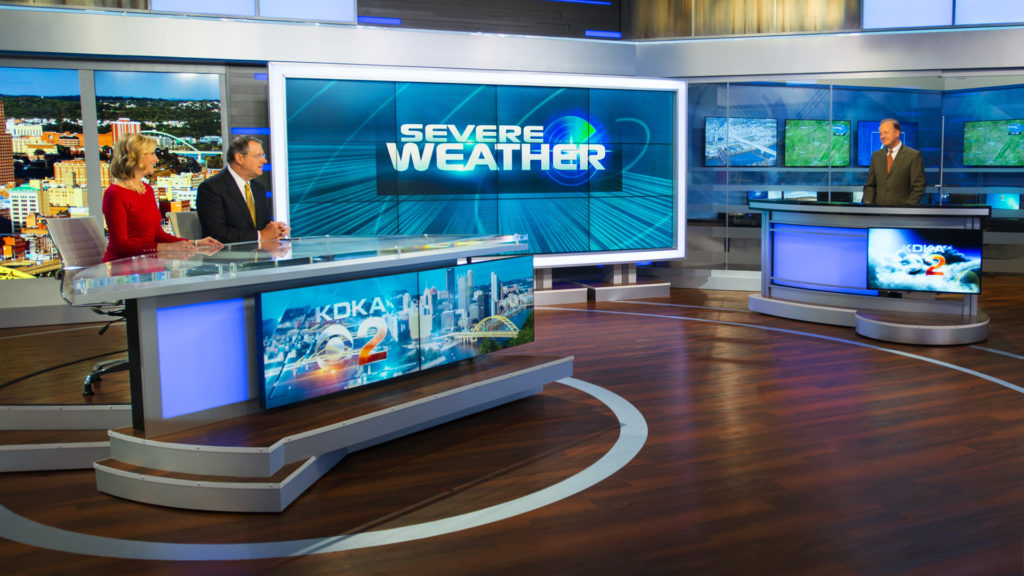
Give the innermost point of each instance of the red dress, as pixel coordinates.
(133, 223)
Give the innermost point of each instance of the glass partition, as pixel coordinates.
(969, 129)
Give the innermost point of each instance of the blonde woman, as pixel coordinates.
(130, 207)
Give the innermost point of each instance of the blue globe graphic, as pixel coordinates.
(571, 130)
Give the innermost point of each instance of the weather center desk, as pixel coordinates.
(263, 326)
(909, 274)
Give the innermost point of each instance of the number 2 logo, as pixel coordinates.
(366, 353)
(937, 262)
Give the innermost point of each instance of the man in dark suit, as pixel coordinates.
(232, 205)
(896, 173)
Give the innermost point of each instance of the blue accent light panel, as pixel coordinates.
(906, 13)
(226, 7)
(379, 20)
(262, 76)
(602, 34)
(251, 131)
(267, 167)
(972, 12)
(597, 2)
(820, 258)
(318, 10)
(203, 352)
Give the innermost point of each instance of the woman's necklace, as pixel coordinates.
(134, 185)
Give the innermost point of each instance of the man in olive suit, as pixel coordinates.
(896, 174)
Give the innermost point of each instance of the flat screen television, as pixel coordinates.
(318, 340)
(1003, 201)
(589, 167)
(868, 142)
(740, 141)
(814, 143)
(469, 310)
(994, 143)
(925, 260)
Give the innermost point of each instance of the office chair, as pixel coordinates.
(186, 225)
(80, 242)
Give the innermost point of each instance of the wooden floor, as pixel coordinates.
(774, 447)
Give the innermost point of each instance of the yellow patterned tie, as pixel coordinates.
(250, 203)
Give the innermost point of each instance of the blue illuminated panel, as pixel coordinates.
(227, 7)
(319, 10)
(820, 258)
(203, 352)
(379, 20)
(602, 34)
(969, 12)
(251, 131)
(908, 13)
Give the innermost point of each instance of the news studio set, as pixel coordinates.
(523, 298)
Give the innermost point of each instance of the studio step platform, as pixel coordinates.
(34, 450)
(929, 330)
(262, 462)
(57, 436)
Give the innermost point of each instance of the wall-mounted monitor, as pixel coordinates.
(925, 260)
(590, 168)
(868, 138)
(1001, 201)
(816, 143)
(805, 195)
(994, 143)
(466, 311)
(740, 141)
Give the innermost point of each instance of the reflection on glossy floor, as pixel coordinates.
(774, 447)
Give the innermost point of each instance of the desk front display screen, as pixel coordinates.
(925, 260)
(466, 311)
(318, 340)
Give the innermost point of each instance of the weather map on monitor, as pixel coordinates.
(740, 141)
(868, 138)
(994, 143)
(817, 143)
(928, 260)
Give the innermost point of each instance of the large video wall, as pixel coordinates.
(585, 166)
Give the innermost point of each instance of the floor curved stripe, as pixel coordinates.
(632, 436)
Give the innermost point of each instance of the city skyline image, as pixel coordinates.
(43, 174)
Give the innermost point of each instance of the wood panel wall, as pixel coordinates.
(683, 18)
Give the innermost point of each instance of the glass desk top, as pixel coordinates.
(256, 262)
